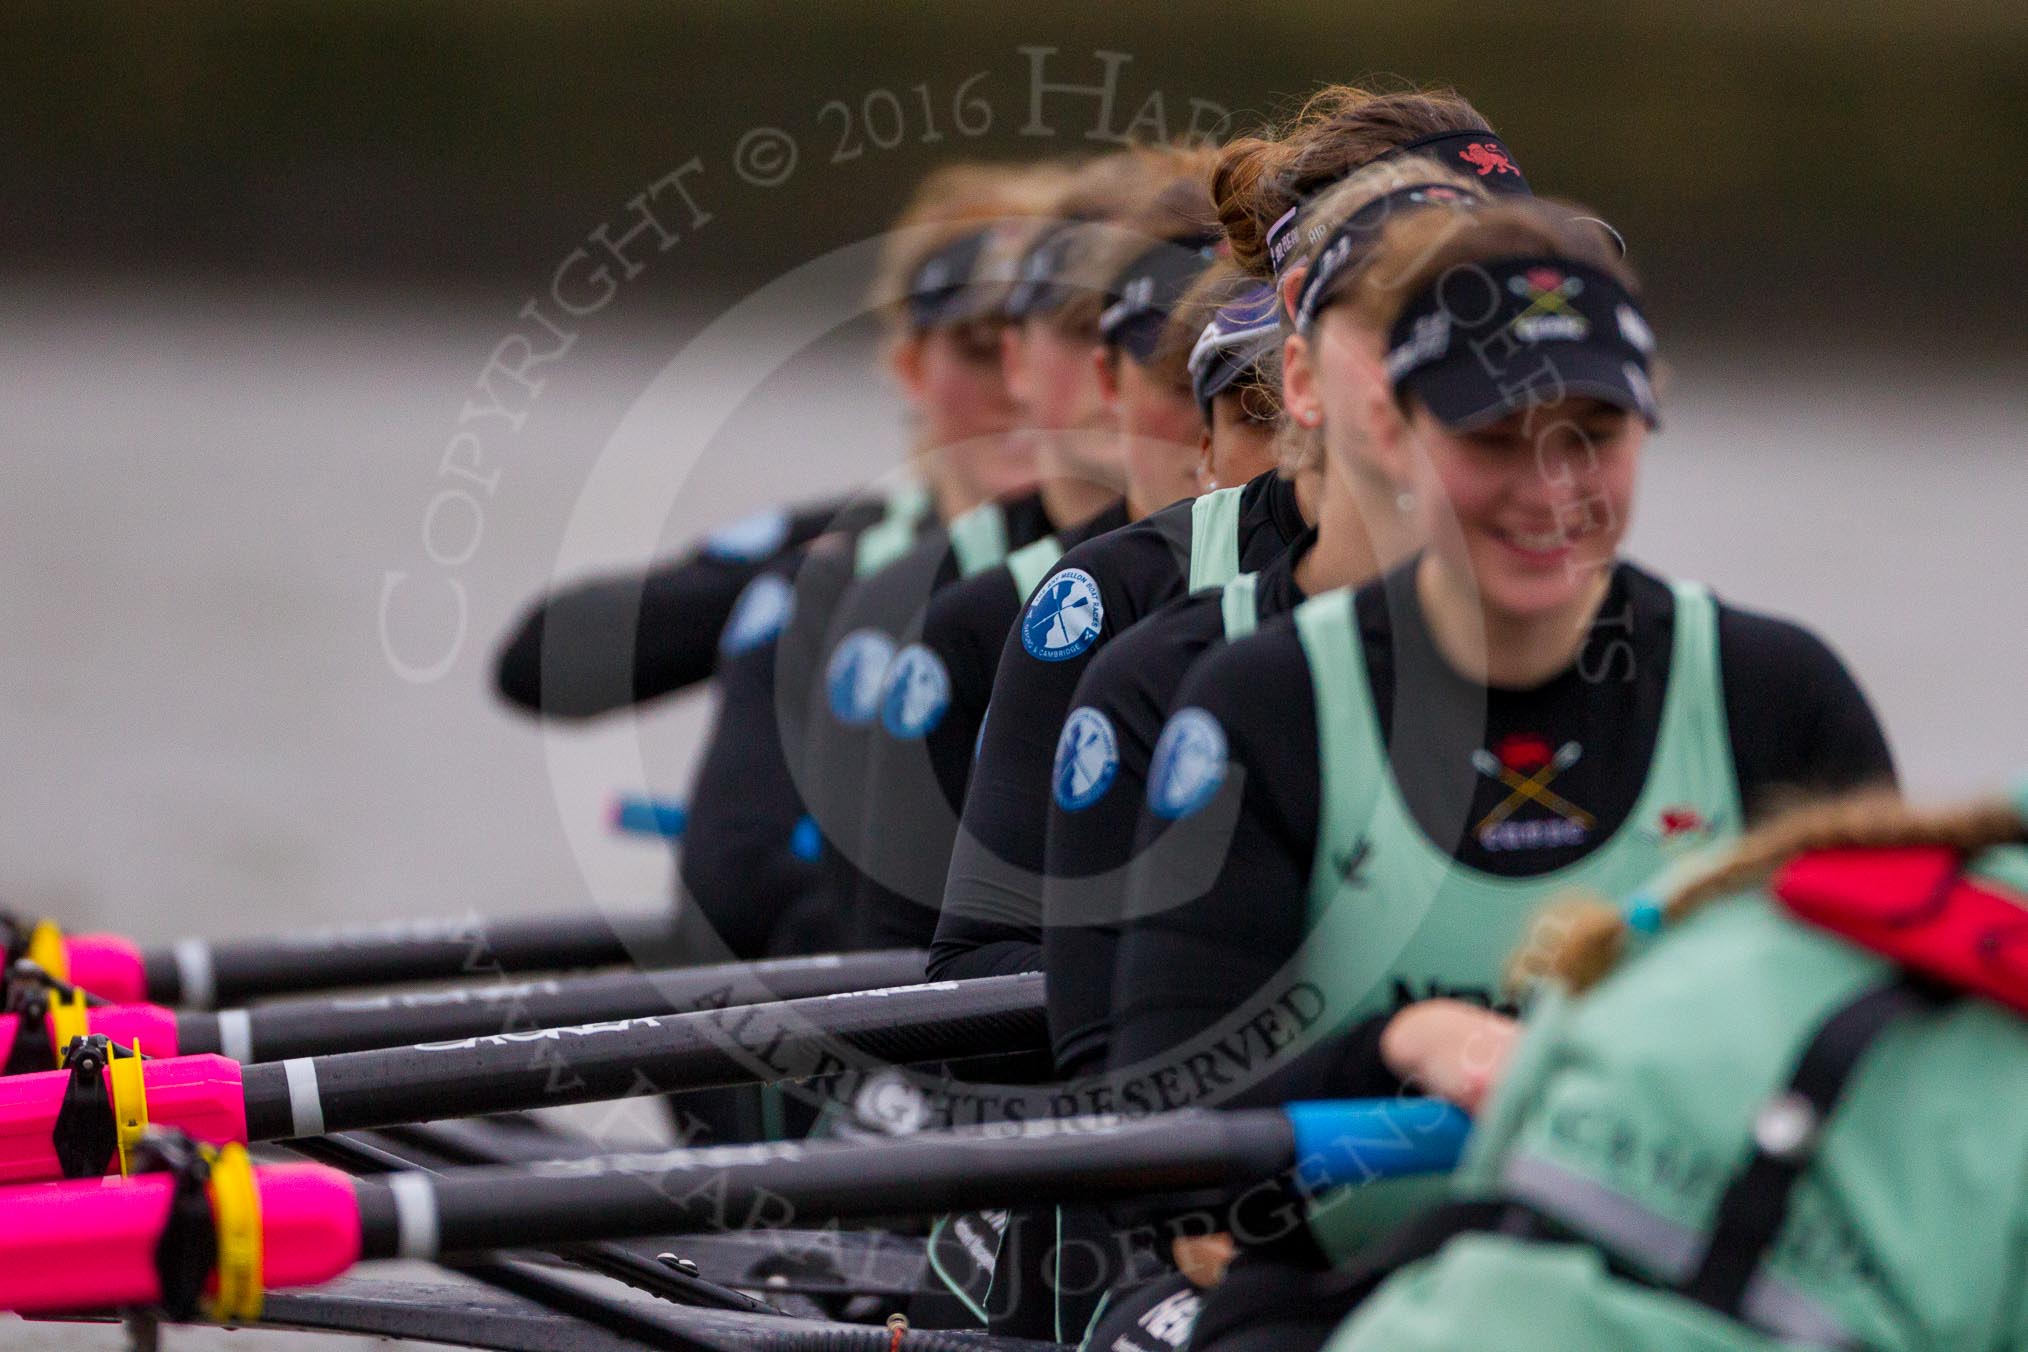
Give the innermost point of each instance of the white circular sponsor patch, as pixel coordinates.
(759, 616)
(1188, 766)
(1087, 758)
(750, 537)
(918, 691)
(856, 674)
(1063, 619)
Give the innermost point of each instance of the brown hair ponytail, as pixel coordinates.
(1336, 131)
(1578, 940)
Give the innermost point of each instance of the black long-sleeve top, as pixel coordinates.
(991, 918)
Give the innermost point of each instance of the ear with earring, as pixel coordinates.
(1404, 502)
(1310, 417)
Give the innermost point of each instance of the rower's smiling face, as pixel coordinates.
(1539, 501)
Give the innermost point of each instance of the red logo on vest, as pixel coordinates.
(1681, 821)
(1526, 752)
(1679, 827)
(1487, 159)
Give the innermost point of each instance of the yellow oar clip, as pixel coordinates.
(68, 1018)
(129, 1084)
(47, 950)
(236, 1211)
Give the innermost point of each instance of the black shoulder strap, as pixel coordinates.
(1786, 1134)
(1755, 1204)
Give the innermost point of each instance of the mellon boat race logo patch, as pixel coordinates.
(855, 675)
(1087, 758)
(1681, 827)
(1188, 766)
(1550, 316)
(1063, 620)
(761, 613)
(918, 693)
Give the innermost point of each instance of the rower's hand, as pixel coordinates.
(1449, 1049)
(1202, 1258)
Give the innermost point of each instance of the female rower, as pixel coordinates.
(1144, 379)
(1100, 775)
(1081, 474)
(1146, 360)
(1102, 758)
(1388, 784)
(737, 865)
(1798, 1118)
(938, 684)
(992, 905)
(1235, 375)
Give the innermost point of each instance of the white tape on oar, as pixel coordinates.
(193, 972)
(415, 1215)
(235, 1034)
(306, 1105)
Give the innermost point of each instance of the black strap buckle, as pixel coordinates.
(1753, 1208)
(26, 993)
(86, 1133)
(27, 998)
(187, 1250)
(1786, 1133)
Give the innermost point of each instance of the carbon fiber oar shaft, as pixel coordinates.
(804, 1183)
(204, 973)
(322, 1027)
(753, 1044)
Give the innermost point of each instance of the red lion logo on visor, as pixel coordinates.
(1487, 159)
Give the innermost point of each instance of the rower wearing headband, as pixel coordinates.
(1125, 695)
(1354, 810)
(737, 864)
(1103, 756)
(1235, 375)
(992, 907)
(922, 758)
(1144, 384)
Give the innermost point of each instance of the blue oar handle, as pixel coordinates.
(666, 819)
(636, 815)
(1360, 1140)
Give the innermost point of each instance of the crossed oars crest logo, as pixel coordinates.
(1549, 313)
(1526, 767)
